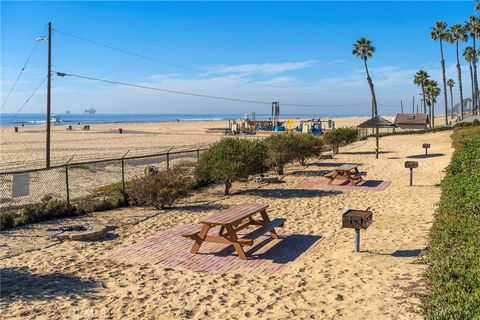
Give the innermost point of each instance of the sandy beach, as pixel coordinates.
(26, 149)
(45, 279)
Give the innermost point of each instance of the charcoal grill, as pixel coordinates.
(357, 219)
(426, 146)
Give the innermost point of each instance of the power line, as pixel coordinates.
(21, 71)
(175, 65)
(62, 74)
(25, 103)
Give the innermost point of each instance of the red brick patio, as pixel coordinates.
(170, 249)
(340, 184)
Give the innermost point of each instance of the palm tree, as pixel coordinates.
(420, 79)
(473, 26)
(439, 32)
(458, 33)
(469, 55)
(363, 49)
(432, 91)
(450, 84)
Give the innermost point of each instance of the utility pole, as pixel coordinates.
(413, 105)
(401, 106)
(49, 88)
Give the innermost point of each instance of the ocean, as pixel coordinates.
(7, 119)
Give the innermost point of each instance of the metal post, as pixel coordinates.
(411, 177)
(67, 184)
(426, 153)
(123, 178)
(68, 188)
(49, 87)
(357, 240)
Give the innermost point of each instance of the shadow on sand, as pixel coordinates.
(200, 207)
(423, 156)
(288, 193)
(19, 283)
(289, 248)
(400, 253)
(364, 152)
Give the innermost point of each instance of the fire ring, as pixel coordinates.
(78, 232)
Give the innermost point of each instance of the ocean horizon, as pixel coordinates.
(10, 119)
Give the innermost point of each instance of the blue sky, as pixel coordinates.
(292, 52)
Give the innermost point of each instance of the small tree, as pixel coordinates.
(307, 146)
(341, 137)
(232, 159)
(163, 188)
(281, 149)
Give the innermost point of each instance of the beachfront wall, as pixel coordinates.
(73, 183)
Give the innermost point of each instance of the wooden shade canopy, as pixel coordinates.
(376, 122)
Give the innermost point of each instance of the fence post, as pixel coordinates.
(123, 178)
(67, 184)
(168, 158)
(198, 153)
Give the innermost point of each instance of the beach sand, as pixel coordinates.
(26, 149)
(46, 279)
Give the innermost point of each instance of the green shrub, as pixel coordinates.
(341, 137)
(307, 146)
(281, 150)
(453, 274)
(7, 220)
(163, 189)
(231, 159)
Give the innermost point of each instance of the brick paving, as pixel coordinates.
(169, 249)
(341, 184)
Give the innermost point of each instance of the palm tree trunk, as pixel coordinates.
(444, 84)
(433, 114)
(424, 100)
(430, 113)
(459, 71)
(370, 83)
(473, 86)
(475, 104)
(451, 101)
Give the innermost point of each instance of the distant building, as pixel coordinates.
(412, 121)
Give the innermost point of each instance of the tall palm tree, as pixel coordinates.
(450, 84)
(432, 91)
(420, 79)
(363, 49)
(458, 33)
(473, 26)
(439, 32)
(470, 56)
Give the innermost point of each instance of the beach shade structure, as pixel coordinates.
(376, 122)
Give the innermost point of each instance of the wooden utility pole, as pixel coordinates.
(413, 105)
(49, 87)
(401, 105)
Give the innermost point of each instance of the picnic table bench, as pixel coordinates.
(232, 220)
(346, 171)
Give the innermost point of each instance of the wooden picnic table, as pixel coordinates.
(232, 220)
(346, 171)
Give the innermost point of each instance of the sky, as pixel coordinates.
(292, 52)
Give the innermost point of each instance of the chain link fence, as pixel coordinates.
(75, 182)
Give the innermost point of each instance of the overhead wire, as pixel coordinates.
(23, 69)
(25, 103)
(62, 74)
(175, 65)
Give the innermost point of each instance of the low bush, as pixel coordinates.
(230, 160)
(162, 189)
(7, 220)
(453, 274)
(281, 150)
(307, 146)
(341, 137)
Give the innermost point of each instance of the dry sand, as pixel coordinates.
(44, 279)
(26, 149)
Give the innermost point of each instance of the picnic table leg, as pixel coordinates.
(201, 237)
(236, 245)
(266, 220)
